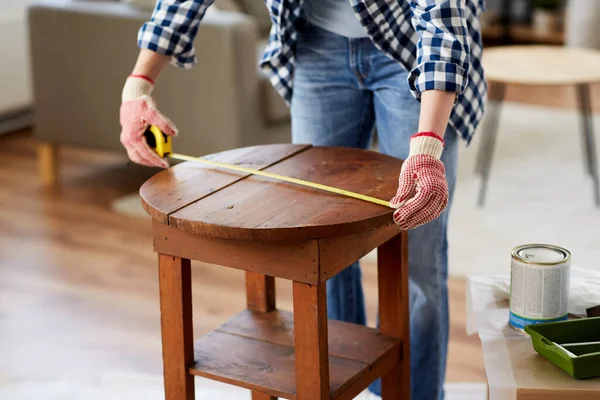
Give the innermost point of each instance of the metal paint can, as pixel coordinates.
(539, 284)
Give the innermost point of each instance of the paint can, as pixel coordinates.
(539, 284)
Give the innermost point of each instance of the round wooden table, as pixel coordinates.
(539, 65)
(272, 229)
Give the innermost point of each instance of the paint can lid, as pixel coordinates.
(541, 254)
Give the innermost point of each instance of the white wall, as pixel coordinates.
(15, 86)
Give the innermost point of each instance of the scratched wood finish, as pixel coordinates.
(176, 187)
(175, 284)
(297, 261)
(346, 340)
(262, 366)
(392, 273)
(311, 341)
(259, 208)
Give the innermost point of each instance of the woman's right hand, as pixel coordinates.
(138, 112)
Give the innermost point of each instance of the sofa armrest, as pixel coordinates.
(82, 52)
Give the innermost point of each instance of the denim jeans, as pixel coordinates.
(344, 90)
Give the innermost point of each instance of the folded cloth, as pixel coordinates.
(584, 290)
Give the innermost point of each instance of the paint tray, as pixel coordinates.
(581, 360)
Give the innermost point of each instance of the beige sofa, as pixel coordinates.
(82, 51)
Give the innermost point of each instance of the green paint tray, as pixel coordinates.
(583, 362)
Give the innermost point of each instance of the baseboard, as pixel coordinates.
(16, 120)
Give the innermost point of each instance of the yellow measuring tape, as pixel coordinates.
(161, 144)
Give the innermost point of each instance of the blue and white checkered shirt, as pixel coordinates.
(438, 41)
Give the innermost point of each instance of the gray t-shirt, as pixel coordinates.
(336, 16)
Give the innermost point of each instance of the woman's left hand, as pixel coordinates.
(423, 190)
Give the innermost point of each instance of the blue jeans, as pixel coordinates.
(344, 89)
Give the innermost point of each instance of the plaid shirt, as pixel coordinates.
(437, 41)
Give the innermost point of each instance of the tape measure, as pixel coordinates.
(162, 145)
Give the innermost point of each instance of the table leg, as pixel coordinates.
(260, 292)
(48, 163)
(175, 284)
(310, 341)
(489, 132)
(583, 95)
(260, 296)
(262, 396)
(582, 100)
(488, 125)
(392, 275)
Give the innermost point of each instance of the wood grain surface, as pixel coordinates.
(311, 342)
(259, 208)
(260, 292)
(376, 354)
(175, 278)
(309, 260)
(297, 261)
(392, 273)
(386, 363)
(261, 366)
(262, 396)
(336, 253)
(185, 183)
(358, 343)
(357, 355)
(260, 297)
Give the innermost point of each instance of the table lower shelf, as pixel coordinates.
(256, 351)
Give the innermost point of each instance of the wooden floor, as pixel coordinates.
(78, 283)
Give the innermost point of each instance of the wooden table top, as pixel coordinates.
(221, 203)
(541, 65)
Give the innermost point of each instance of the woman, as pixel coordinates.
(409, 69)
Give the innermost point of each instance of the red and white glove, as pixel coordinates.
(138, 111)
(423, 190)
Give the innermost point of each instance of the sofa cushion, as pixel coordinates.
(228, 5)
(142, 4)
(273, 107)
(221, 5)
(255, 8)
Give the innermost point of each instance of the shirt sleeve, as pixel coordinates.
(443, 53)
(172, 29)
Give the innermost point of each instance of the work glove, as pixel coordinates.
(138, 112)
(423, 190)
